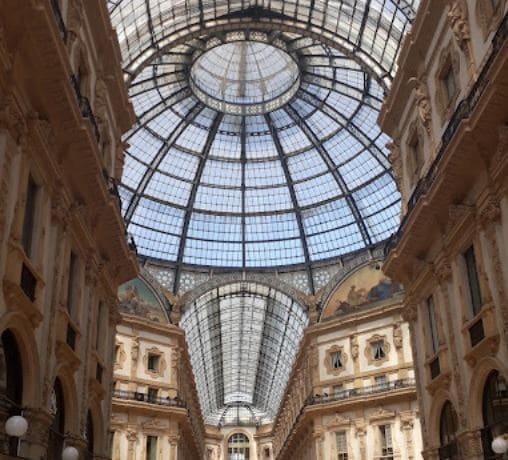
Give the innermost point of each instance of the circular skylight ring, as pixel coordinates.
(245, 77)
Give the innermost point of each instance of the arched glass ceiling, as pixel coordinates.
(242, 339)
(240, 185)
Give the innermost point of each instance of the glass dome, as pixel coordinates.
(256, 143)
(244, 77)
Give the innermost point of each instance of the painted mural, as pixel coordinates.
(136, 298)
(367, 285)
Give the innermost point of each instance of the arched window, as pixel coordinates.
(238, 447)
(11, 380)
(448, 433)
(495, 411)
(57, 428)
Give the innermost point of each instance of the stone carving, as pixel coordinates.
(354, 347)
(457, 17)
(397, 335)
(422, 101)
(396, 161)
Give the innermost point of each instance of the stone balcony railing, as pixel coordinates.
(358, 392)
(146, 398)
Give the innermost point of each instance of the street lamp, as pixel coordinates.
(500, 444)
(16, 427)
(70, 453)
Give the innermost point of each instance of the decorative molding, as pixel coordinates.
(368, 350)
(328, 359)
(159, 373)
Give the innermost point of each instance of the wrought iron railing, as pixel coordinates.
(364, 391)
(463, 111)
(85, 107)
(144, 397)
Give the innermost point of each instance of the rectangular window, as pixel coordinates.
(385, 442)
(153, 393)
(72, 283)
(336, 360)
(473, 282)
(341, 442)
(378, 350)
(151, 448)
(27, 236)
(153, 362)
(433, 334)
(449, 82)
(380, 381)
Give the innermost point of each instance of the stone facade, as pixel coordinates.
(154, 395)
(63, 252)
(362, 406)
(451, 250)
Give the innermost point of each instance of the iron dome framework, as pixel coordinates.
(305, 182)
(294, 176)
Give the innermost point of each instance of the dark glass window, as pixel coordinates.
(336, 359)
(151, 447)
(448, 433)
(378, 350)
(495, 411)
(433, 333)
(29, 218)
(473, 282)
(72, 284)
(153, 362)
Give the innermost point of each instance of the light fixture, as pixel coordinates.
(500, 444)
(16, 426)
(70, 453)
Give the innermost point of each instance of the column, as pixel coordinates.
(35, 443)
(132, 438)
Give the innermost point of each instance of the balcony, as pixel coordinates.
(144, 397)
(365, 391)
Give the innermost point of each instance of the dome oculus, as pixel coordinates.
(245, 77)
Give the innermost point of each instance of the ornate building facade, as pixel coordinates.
(63, 250)
(447, 116)
(156, 411)
(352, 389)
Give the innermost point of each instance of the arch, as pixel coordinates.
(448, 428)
(243, 432)
(70, 398)
(479, 377)
(230, 278)
(21, 329)
(353, 268)
(440, 398)
(494, 410)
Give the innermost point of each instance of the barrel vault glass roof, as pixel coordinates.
(242, 340)
(213, 178)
